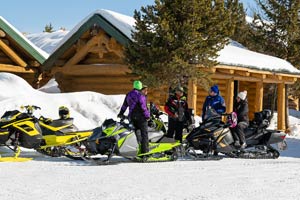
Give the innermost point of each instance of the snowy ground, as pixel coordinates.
(62, 178)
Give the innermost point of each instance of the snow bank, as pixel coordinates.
(50, 87)
(89, 109)
(13, 86)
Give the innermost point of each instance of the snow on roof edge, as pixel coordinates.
(40, 51)
(260, 69)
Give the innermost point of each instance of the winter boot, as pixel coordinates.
(243, 146)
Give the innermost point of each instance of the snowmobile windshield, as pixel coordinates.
(108, 123)
(212, 115)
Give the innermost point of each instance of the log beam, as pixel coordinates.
(226, 71)
(242, 73)
(13, 56)
(260, 76)
(83, 51)
(92, 70)
(2, 34)
(249, 78)
(281, 107)
(15, 69)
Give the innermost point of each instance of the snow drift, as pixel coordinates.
(89, 109)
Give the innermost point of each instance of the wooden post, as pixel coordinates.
(229, 95)
(192, 95)
(259, 96)
(281, 107)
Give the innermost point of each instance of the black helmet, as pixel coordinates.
(64, 112)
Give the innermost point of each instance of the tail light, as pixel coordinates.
(283, 136)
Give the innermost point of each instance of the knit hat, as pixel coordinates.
(242, 95)
(137, 85)
(144, 86)
(178, 88)
(215, 89)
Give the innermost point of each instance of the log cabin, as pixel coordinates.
(91, 57)
(18, 55)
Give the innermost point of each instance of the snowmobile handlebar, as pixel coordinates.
(30, 108)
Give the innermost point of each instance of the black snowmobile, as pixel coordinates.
(214, 136)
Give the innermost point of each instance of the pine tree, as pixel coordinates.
(48, 28)
(174, 37)
(277, 32)
(278, 29)
(242, 28)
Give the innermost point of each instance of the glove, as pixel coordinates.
(151, 124)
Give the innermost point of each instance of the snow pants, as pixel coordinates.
(175, 126)
(239, 132)
(141, 132)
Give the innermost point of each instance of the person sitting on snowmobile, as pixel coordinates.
(138, 113)
(241, 109)
(213, 101)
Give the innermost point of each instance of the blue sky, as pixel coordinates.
(31, 16)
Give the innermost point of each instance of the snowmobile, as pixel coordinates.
(119, 138)
(23, 129)
(60, 136)
(214, 136)
(19, 130)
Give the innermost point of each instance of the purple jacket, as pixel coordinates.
(137, 105)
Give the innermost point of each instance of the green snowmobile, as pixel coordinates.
(119, 138)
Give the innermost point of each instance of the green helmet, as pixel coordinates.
(137, 85)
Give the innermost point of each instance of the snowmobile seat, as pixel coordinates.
(61, 122)
(249, 131)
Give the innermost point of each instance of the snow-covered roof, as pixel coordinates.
(47, 41)
(4, 22)
(232, 54)
(122, 22)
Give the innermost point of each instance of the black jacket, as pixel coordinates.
(178, 106)
(241, 110)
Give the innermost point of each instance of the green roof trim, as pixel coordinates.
(23, 43)
(95, 19)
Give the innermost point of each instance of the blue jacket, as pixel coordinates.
(137, 105)
(216, 102)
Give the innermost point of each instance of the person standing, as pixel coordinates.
(177, 109)
(144, 90)
(138, 114)
(213, 101)
(241, 109)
